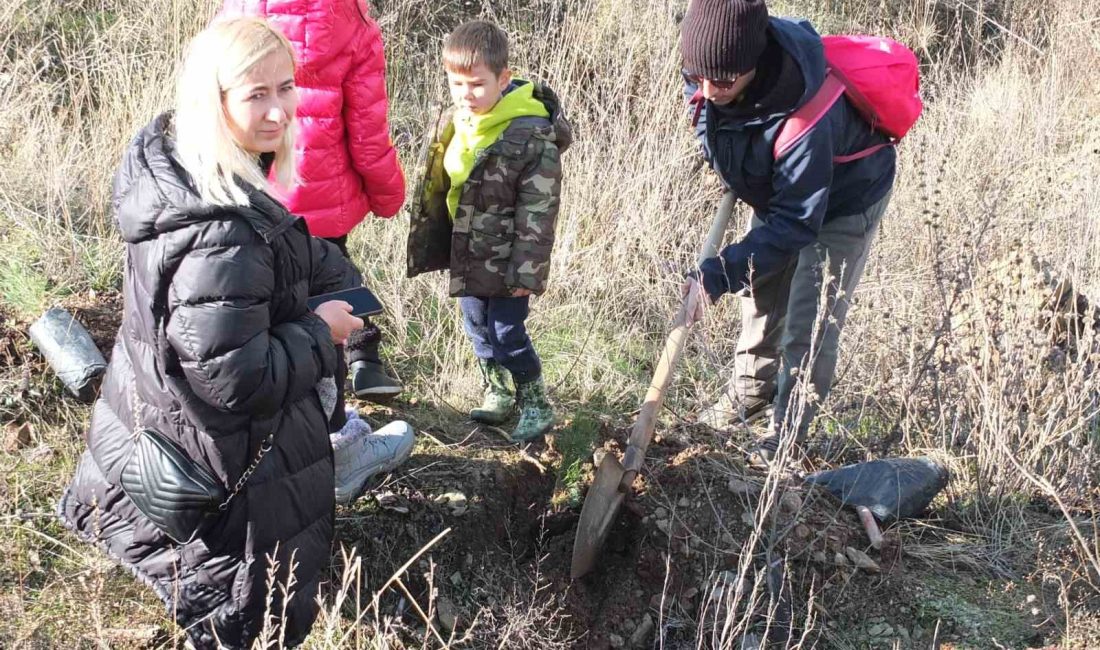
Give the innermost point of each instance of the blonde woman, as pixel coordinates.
(218, 352)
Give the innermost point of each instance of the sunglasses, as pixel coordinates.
(723, 84)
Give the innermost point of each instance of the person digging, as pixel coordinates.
(817, 196)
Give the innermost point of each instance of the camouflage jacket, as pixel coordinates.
(503, 232)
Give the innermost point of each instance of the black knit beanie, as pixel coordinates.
(721, 39)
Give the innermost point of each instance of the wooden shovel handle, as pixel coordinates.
(644, 426)
(870, 525)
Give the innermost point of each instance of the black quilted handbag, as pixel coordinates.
(177, 494)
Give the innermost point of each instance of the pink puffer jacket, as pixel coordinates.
(347, 165)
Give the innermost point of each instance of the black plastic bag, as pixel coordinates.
(892, 489)
(70, 351)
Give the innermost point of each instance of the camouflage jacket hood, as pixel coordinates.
(502, 234)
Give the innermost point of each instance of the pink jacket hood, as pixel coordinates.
(347, 165)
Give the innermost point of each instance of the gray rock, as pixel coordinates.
(446, 613)
(861, 560)
(790, 503)
(641, 634)
(738, 486)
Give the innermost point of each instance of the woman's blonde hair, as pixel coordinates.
(217, 59)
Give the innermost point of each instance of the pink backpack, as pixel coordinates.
(880, 78)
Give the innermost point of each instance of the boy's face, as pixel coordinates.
(477, 90)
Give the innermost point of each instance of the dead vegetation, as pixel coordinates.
(973, 340)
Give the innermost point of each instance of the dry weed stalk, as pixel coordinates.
(1005, 153)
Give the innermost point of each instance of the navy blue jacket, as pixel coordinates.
(795, 195)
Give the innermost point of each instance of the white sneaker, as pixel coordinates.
(360, 454)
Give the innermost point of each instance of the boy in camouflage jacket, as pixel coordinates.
(486, 210)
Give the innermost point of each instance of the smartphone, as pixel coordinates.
(362, 300)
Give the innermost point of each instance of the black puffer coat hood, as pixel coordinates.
(220, 348)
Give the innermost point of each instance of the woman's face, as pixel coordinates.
(260, 107)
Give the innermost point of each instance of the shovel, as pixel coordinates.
(884, 490)
(614, 477)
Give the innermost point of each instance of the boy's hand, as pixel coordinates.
(521, 293)
(337, 314)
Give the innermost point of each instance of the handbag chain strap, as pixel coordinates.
(265, 447)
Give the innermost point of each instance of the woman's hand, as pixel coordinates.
(521, 293)
(337, 314)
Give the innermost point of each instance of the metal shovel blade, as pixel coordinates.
(601, 506)
(608, 490)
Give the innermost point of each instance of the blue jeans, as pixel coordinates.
(496, 328)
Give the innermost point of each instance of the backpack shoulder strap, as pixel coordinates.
(802, 120)
(696, 103)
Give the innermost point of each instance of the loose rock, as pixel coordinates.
(446, 613)
(790, 503)
(392, 502)
(641, 634)
(17, 437)
(455, 502)
(861, 560)
(738, 486)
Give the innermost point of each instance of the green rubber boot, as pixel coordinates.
(535, 415)
(499, 400)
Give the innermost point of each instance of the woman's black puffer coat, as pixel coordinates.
(221, 349)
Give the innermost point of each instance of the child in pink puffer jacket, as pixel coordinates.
(347, 165)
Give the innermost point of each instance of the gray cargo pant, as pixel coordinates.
(788, 322)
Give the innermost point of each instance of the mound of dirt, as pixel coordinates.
(101, 314)
(681, 549)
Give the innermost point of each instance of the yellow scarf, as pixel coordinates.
(473, 133)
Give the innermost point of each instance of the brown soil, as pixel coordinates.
(100, 314)
(504, 566)
(682, 529)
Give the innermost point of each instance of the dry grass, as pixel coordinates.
(943, 353)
